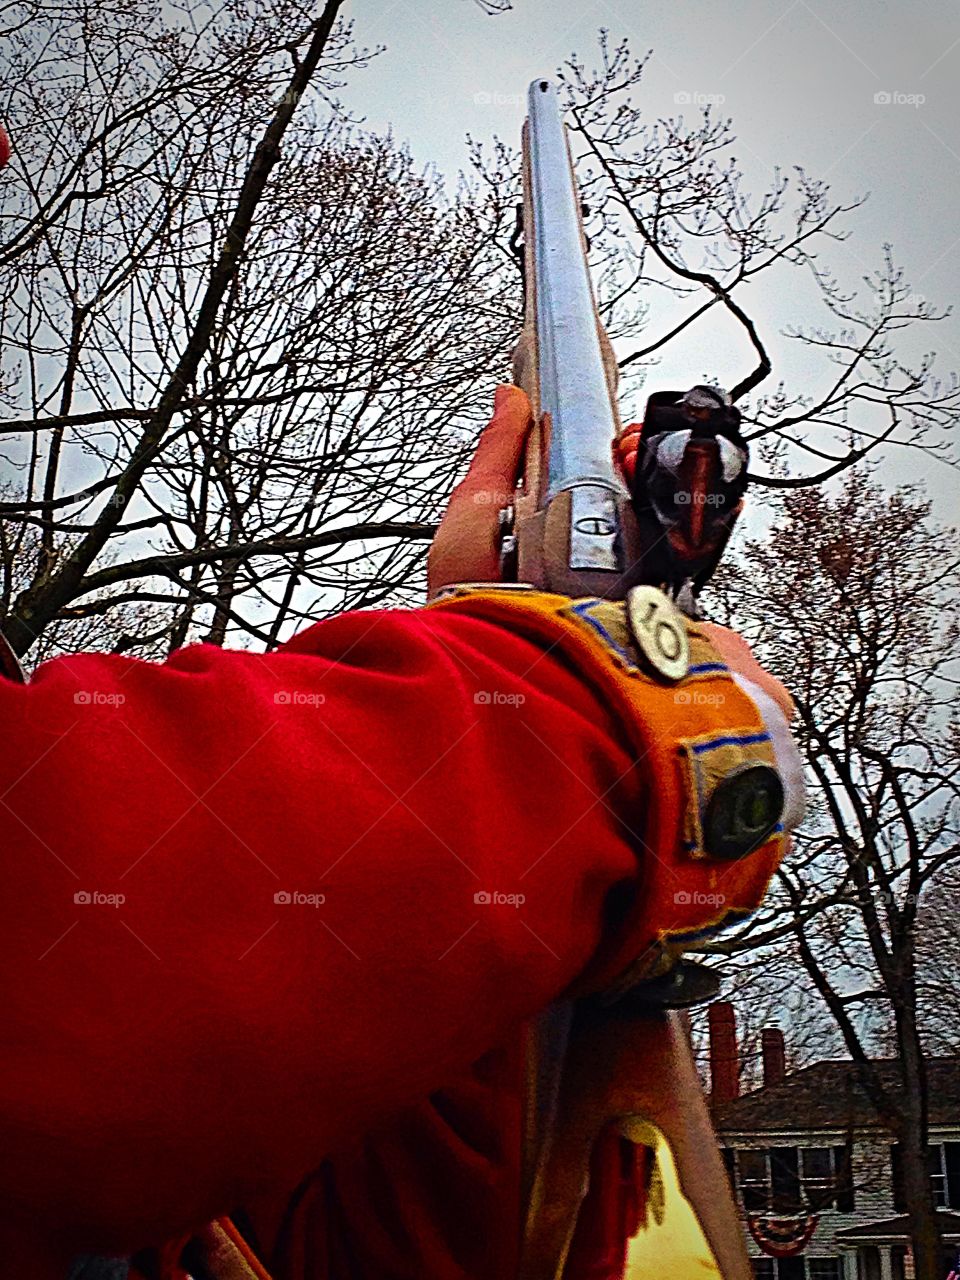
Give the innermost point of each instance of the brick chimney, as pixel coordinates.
(724, 1056)
(774, 1056)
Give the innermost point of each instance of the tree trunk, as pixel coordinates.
(914, 1132)
(913, 1137)
(921, 1208)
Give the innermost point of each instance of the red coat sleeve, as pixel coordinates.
(253, 903)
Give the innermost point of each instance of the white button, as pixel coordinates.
(660, 631)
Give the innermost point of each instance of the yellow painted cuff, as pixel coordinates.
(688, 735)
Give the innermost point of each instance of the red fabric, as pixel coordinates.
(614, 1208)
(200, 1045)
(431, 1194)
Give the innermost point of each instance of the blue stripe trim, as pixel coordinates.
(582, 605)
(746, 740)
(701, 667)
(581, 611)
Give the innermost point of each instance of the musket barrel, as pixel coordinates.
(573, 378)
(572, 526)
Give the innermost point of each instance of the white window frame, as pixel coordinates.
(828, 1184)
(832, 1177)
(768, 1177)
(938, 1181)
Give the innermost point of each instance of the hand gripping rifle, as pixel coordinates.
(577, 529)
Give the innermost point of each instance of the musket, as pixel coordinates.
(573, 528)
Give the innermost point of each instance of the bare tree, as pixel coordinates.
(671, 197)
(938, 964)
(849, 600)
(240, 380)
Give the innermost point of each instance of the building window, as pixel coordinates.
(797, 1268)
(818, 1184)
(827, 1179)
(785, 1179)
(938, 1174)
(951, 1161)
(943, 1164)
(795, 1179)
(753, 1179)
(791, 1269)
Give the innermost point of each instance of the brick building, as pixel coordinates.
(811, 1164)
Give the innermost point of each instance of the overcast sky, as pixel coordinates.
(800, 80)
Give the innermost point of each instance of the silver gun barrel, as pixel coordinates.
(573, 380)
